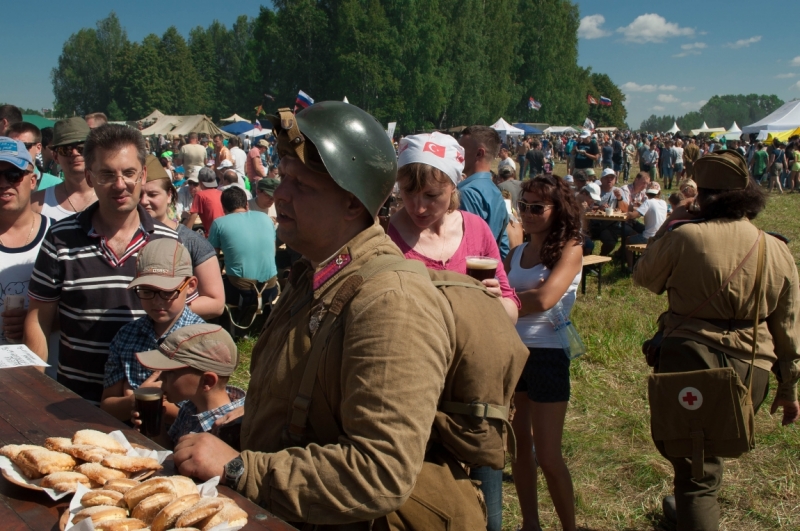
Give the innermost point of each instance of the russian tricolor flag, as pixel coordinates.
(303, 100)
(605, 101)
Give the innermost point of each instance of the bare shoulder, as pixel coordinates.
(37, 201)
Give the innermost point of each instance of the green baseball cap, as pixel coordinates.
(268, 185)
(204, 347)
(70, 131)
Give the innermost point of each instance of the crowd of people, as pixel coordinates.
(126, 249)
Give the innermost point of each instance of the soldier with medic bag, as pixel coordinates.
(733, 318)
(370, 389)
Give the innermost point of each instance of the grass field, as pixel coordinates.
(619, 476)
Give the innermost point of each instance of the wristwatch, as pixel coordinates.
(234, 470)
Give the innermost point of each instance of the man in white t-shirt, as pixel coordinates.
(506, 161)
(193, 153)
(239, 156)
(21, 233)
(654, 212)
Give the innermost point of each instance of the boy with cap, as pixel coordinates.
(207, 203)
(195, 363)
(264, 200)
(164, 278)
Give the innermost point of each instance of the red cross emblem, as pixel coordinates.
(690, 398)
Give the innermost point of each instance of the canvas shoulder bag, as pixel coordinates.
(707, 413)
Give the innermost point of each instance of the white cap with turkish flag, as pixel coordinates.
(435, 149)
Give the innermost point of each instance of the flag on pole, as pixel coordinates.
(533, 104)
(303, 100)
(605, 101)
(588, 124)
(591, 100)
(257, 125)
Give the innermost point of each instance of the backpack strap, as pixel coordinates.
(483, 410)
(325, 425)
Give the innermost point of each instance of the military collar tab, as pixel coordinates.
(328, 271)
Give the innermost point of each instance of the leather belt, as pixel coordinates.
(731, 324)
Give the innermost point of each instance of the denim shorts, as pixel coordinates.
(545, 377)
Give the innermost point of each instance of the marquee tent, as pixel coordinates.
(234, 118)
(560, 129)
(706, 129)
(238, 128)
(786, 117)
(183, 125)
(529, 129)
(506, 129)
(782, 136)
(38, 121)
(734, 130)
(674, 129)
(254, 133)
(153, 116)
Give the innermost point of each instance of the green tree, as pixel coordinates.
(185, 90)
(141, 85)
(602, 115)
(721, 111)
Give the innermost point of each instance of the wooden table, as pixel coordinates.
(617, 217)
(34, 407)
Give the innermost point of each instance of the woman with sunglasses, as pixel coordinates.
(431, 229)
(158, 195)
(544, 272)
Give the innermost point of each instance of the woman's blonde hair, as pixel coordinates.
(413, 177)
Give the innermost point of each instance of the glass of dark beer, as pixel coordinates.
(150, 408)
(481, 267)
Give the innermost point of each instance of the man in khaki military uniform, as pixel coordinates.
(384, 368)
(691, 154)
(691, 261)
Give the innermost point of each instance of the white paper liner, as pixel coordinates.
(12, 470)
(206, 490)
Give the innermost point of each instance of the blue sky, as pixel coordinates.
(668, 58)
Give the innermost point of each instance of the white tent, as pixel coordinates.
(707, 129)
(234, 118)
(734, 130)
(674, 129)
(559, 130)
(762, 135)
(255, 133)
(506, 129)
(787, 117)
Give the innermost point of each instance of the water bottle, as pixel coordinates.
(567, 334)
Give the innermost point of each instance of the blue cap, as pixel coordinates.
(14, 151)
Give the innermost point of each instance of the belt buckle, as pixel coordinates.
(485, 408)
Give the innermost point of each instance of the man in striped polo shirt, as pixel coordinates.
(87, 261)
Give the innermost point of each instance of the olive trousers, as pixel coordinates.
(696, 501)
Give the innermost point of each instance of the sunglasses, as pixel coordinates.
(29, 145)
(537, 209)
(14, 176)
(147, 293)
(66, 151)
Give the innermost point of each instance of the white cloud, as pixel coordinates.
(687, 53)
(795, 61)
(796, 85)
(785, 76)
(658, 108)
(590, 27)
(695, 46)
(630, 86)
(652, 27)
(693, 105)
(667, 98)
(743, 43)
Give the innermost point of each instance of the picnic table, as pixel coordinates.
(615, 216)
(34, 407)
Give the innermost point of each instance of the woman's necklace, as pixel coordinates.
(28, 239)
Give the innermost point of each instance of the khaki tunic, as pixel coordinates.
(382, 376)
(690, 155)
(694, 259)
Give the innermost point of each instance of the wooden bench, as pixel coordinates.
(637, 249)
(595, 262)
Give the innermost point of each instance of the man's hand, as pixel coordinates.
(202, 456)
(791, 410)
(227, 418)
(13, 323)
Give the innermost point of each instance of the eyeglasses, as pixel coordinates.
(147, 293)
(14, 176)
(537, 209)
(29, 145)
(66, 151)
(129, 177)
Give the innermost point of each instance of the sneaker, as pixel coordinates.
(669, 508)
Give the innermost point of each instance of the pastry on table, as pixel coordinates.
(100, 474)
(65, 481)
(98, 438)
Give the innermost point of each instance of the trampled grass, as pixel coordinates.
(619, 476)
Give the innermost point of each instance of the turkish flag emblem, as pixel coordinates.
(436, 149)
(459, 157)
(403, 148)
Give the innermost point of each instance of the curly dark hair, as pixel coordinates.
(566, 224)
(732, 204)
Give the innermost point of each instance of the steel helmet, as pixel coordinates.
(348, 144)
